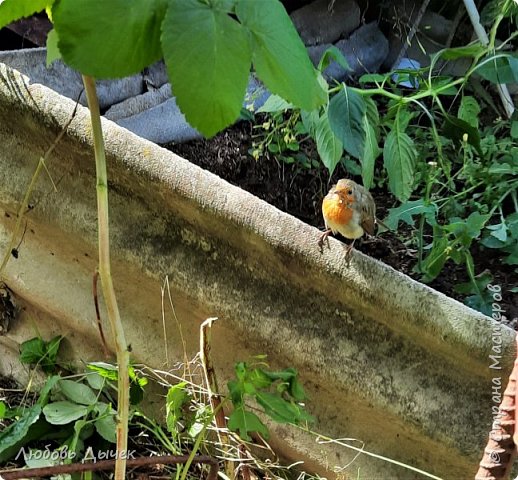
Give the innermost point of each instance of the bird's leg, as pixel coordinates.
(323, 238)
(348, 251)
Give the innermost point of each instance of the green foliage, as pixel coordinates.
(279, 393)
(39, 352)
(346, 112)
(221, 38)
(447, 172)
(11, 10)
(74, 411)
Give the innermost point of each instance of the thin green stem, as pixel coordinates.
(25, 202)
(106, 280)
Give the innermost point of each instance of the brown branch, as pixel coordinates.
(98, 314)
(109, 464)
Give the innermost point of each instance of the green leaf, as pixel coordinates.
(455, 128)
(333, 54)
(199, 38)
(95, 380)
(109, 39)
(274, 104)
(297, 390)
(53, 52)
(399, 157)
(310, 121)
(3, 410)
(406, 212)
(33, 350)
(12, 10)
(470, 51)
(433, 263)
(45, 391)
(176, 398)
(63, 412)
(469, 110)
(502, 69)
(512, 259)
(202, 418)
(329, 147)
(499, 231)
(17, 431)
(482, 281)
(38, 351)
(501, 169)
(371, 152)
(105, 370)
(77, 392)
(374, 78)
(514, 129)
(475, 223)
(106, 425)
(280, 58)
(346, 111)
(243, 422)
(280, 410)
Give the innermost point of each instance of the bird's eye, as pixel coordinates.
(349, 192)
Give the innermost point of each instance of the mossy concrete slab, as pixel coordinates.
(385, 360)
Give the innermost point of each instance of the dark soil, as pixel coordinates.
(298, 191)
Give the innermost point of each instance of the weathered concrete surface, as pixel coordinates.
(385, 359)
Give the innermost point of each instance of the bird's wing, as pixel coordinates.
(368, 214)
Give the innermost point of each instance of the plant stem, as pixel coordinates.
(25, 202)
(106, 280)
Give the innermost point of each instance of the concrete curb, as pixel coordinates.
(385, 359)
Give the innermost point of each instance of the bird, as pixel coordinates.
(348, 209)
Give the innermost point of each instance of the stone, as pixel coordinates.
(365, 51)
(326, 21)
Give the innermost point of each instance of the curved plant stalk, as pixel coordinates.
(213, 391)
(106, 280)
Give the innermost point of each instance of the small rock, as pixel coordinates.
(325, 21)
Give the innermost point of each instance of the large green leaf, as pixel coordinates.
(406, 212)
(11, 10)
(399, 157)
(109, 39)
(208, 58)
(17, 431)
(469, 110)
(77, 392)
(329, 147)
(279, 56)
(281, 410)
(63, 412)
(346, 111)
(243, 421)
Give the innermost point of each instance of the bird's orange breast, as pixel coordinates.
(336, 210)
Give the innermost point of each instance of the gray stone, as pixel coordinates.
(364, 51)
(153, 114)
(325, 21)
(66, 81)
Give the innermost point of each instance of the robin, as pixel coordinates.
(348, 209)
